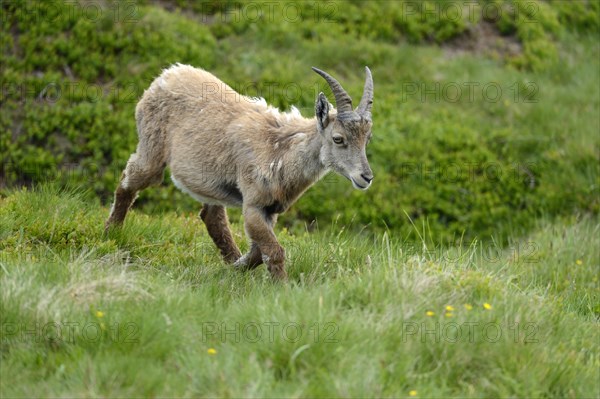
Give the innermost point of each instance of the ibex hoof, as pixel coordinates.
(107, 226)
(278, 275)
(248, 261)
(242, 262)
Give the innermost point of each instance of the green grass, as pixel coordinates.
(359, 302)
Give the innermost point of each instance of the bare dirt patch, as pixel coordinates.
(484, 38)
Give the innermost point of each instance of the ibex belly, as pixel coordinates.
(221, 193)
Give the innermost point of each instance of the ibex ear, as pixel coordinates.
(322, 112)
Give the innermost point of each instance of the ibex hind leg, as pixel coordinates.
(217, 225)
(140, 173)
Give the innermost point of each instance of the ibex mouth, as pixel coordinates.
(358, 186)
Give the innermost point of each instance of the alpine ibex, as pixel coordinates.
(226, 149)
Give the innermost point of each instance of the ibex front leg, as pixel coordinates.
(251, 259)
(259, 228)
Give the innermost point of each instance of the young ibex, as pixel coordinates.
(225, 149)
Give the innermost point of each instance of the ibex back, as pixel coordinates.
(225, 149)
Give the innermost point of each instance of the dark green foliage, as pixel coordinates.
(478, 165)
(71, 81)
(583, 16)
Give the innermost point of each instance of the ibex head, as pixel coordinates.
(346, 133)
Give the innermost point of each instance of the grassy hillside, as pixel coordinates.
(152, 311)
(484, 120)
(469, 269)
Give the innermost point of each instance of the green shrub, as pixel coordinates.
(583, 16)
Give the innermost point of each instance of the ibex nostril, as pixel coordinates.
(368, 179)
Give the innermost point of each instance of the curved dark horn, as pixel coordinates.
(343, 102)
(366, 101)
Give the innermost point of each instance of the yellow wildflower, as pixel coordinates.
(468, 307)
(449, 308)
(412, 393)
(487, 306)
(429, 313)
(579, 262)
(99, 314)
(211, 351)
(448, 314)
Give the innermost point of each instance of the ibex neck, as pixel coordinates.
(304, 151)
(310, 155)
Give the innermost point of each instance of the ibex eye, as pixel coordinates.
(338, 139)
